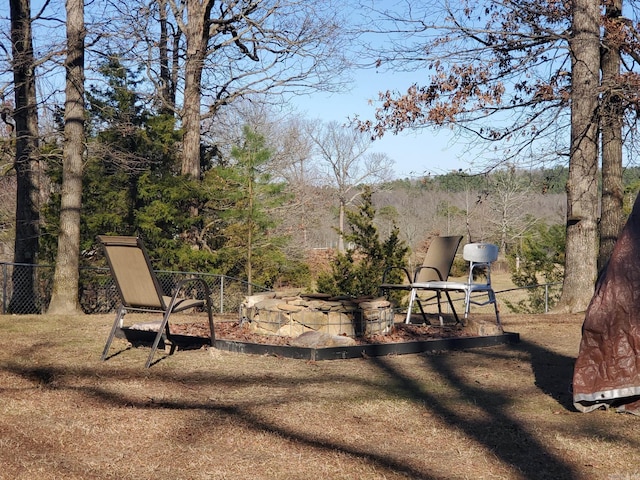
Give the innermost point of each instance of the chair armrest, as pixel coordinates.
(206, 302)
(389, 269)
(419, 269)
(186, 281)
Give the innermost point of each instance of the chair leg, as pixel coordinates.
(453, 309)
(161, 332)
(210, 315)
(424, 315)
(439, 298)
(116, 324)
(412, 297)
(492, 297)
(467, 304)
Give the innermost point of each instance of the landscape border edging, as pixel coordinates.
(370, 350)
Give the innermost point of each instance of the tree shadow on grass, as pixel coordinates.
(241, 415)
(506, 437)
(553, 372)
(494, 428)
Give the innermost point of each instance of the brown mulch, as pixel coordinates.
(401, 333)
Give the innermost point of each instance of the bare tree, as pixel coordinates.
(64, 297)
(611, 215)
(413, 212)
(197, 27)
(168, 42)
(509, 200)
(292, 162)
(505, 72)
(248, 47)
(27, 165)
(342, 157)
(582, 187)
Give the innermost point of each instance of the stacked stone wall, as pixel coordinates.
(274, 314)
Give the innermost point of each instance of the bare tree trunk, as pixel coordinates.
(250, 232)
(196, 36)
(167, 70)
(582, 185)
(65, 298)
(26, 162)
(341, 248)
(611, 217)
(165, 80)
(346, 165)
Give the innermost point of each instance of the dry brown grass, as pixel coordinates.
(502, 412)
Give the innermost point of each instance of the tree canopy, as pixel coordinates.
(524, 76)
(188, 144)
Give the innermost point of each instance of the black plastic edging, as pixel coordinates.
(328, 353)
(373, 350)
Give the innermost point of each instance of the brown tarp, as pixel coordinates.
(607, 371)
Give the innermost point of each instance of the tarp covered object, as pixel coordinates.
(607, 371)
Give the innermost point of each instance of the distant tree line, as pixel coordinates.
(168, 119)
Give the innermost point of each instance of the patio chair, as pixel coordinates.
(140, 290)
(480, 257)
(435, 267)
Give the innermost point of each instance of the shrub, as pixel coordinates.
(359, 271)
(539, 260)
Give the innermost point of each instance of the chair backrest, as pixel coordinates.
(132, 272)
(480, 255)
(439, 258)
(480, 252)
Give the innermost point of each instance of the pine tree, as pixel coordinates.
(243, 196)
(359, 271)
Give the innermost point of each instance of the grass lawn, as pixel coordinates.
(496, 413)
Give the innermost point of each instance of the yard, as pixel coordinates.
(500, 412)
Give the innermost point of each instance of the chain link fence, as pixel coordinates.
(26, 288)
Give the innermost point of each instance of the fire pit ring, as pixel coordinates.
(274, 313)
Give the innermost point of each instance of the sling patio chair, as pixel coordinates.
(140, 291)
(480, 257)
(435, 267)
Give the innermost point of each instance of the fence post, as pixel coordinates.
(4, 288)
(546, 298)
(221, 294)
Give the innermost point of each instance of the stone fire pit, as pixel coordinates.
(273, 313)
(320, 327)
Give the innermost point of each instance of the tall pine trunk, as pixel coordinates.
(582, 186)
(197, 35)
(26, 164)
(611, 216)
(65, 298)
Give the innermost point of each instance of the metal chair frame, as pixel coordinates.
(480, 257)
(435, 267)
(140, 290)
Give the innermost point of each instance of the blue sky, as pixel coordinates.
(415, 152)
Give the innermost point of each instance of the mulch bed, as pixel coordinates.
(401, 333)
